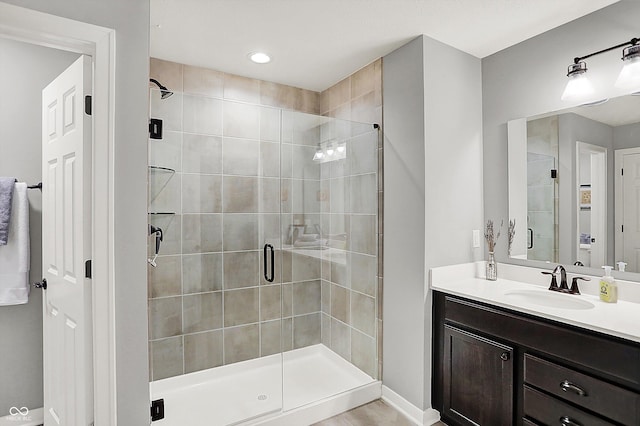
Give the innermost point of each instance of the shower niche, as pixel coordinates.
(264, 293)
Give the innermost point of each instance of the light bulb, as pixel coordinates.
(341, 148)
(330, 151)
(319, 155)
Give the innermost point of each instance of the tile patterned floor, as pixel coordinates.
(376, 413)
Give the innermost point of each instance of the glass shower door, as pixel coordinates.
(329, 240)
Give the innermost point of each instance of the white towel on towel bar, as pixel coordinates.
(15, 256)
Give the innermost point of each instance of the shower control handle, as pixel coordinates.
(269, 278)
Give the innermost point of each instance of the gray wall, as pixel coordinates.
(574, 128)
(626, 136)
(26, 69)
(433, 195)
(528, 79)
(130, 19)
(404, 217)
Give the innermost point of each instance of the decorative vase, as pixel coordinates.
(492, 268)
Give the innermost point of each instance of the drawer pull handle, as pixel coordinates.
(567, 386)
(504, 356)
(568, 421)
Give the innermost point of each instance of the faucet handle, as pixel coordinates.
(574, 284)
(554, 283)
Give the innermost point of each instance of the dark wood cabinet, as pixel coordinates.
(478, 379)
(494, 366)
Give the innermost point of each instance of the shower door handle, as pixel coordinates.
(530, 231)
(269, 278)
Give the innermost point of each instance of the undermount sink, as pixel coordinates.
(549, 299)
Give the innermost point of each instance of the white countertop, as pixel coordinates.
(620, 319)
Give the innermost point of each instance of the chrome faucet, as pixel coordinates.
(564, 288)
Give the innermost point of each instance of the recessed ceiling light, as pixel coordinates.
(260, 57)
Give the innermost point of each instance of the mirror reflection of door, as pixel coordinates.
(591, 212)
(627, 207)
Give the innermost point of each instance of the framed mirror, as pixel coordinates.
(574, 185)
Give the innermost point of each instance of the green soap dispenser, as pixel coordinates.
(608, 287)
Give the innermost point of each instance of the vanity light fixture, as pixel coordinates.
(341, 148)
(579, 87)
(629, 77)
(259, 57)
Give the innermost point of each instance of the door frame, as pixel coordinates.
(99, 43)
(618, 190)
(599, 186)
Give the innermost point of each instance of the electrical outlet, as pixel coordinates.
(476, 238)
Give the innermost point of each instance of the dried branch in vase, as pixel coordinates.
(491, 236)
(511, 233)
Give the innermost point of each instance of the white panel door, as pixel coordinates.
(631, 212)
(66, 244)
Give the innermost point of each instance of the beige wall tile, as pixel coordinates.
(201, 193)
(363, 313)
(287, 334)
(240, 269)
(270, 338)
(241, 343)
(306, 297)
(364, 194)
(202, 312)
(363, 353)
(241, 306)
(240, 194)
(363, 274)
(167, 357)
(169, 74)
(202, 233)
(165, 317)
(241, 88)
(165, 152)
(165, 278)
(202, 115)
(270, 302)
(202, 81)
(326, 329)
(241, 156)
(306, 330)
(340, 93)
(241, 120)
(240, 231)
(307, 101)
(287, 300)
(340, 303)
(202, 351)
(341, 339)
(201, 272)
(363, 234)
(202, 154)
(168, 110)
(363, 81)
(277, 95)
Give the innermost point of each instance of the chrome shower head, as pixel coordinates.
(164, 92)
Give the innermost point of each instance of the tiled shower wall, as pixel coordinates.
(208, 302)
(351, 301)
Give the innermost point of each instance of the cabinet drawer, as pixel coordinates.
(611, 401)
(613, 358)
(551, 411)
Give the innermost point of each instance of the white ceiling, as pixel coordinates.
(316, 43)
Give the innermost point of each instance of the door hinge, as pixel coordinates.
(87, 269)
(157, 410)
(87, 104)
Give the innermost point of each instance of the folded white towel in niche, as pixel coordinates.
(15, 256)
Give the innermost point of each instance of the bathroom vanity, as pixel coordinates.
(502, 360)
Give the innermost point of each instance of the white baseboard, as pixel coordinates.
(416, 415)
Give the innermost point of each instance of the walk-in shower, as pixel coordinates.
(264, 295)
